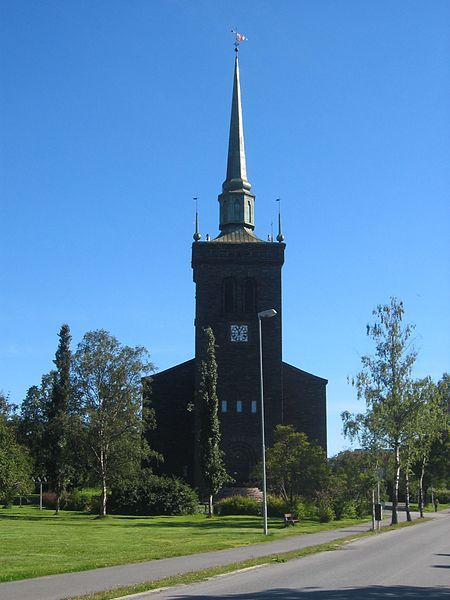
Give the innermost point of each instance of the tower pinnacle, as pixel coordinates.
(280, 236)
(197, 237)
(236, 200)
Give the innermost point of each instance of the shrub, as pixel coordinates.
(442, 494)
(84, 500)
(345, 509)
(310, 510)
(325, 511)
(363, 508)
(276, 506)
(238, 505)
(154, 495)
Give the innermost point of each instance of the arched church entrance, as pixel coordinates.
(240, 459)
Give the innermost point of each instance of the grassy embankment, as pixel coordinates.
(35, 543)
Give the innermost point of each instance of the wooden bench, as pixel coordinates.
(290, 519)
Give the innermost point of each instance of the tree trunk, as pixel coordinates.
(408, 511)
(394, 519)
(373, 509)
(422, 473)
(58, 496)
(210, 506)
(104, 488)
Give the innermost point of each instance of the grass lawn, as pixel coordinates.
(35, 543)
(429, 507)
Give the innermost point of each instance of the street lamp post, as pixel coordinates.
(265, 314)
(40, 480)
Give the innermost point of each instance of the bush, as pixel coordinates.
(345, 509)
(325, 511)
(363, 508)
(276, 506)
(442, 494)
(84, 500)
(238, 505)
(308, 510)
(154, 495)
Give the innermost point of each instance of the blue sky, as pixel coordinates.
(114, 114)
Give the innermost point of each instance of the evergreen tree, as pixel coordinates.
(32, 427)
(211, 456)
(57, 429)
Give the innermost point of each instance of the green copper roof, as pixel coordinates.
(238, 236)
(237, 203)
(236, 165)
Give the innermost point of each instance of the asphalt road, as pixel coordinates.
(412, 563)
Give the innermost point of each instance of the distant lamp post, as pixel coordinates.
(265, 314)
(40, 481)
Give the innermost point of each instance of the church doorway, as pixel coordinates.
(240, 459)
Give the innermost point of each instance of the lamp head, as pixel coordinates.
(267, 314)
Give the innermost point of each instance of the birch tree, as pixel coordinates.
(386, 386)
(108, 379)
(429, 426)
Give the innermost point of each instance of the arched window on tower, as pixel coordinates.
(229, 295)
(249, 295)
(249, 205)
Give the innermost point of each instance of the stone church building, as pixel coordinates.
(236, 275)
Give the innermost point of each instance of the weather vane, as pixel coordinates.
(238, 39)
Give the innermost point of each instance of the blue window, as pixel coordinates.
(253, 406)
(239, 406)
(224, 406)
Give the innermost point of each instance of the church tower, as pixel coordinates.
(236, 276)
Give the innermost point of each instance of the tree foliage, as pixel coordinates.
(15, 463)
(386, 385)
(57, 428)
(211, 456)
(295, 466)
(437, 472)
(108, 381)
(31, 428)
(425, 427)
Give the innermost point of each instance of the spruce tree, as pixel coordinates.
(58, 417)
(211, 456)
